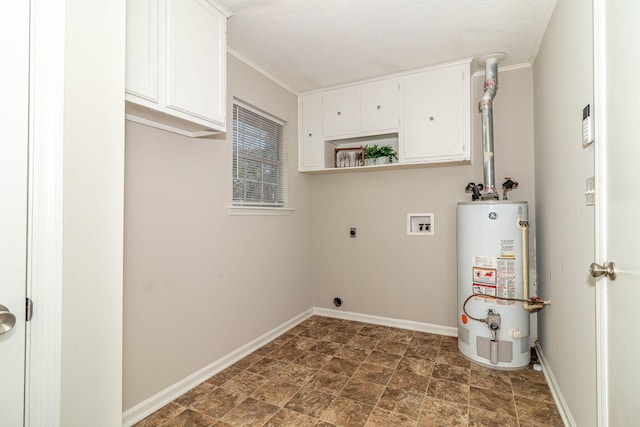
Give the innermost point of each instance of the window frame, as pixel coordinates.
(243, 115)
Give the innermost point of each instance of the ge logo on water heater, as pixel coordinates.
(493, 215)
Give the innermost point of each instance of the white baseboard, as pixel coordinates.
(563, 408)
(158, 400)
(387, 321)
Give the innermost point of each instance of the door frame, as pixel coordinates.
(44, 255)
(600, 168)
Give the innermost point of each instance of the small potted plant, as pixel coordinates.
(370, 154)
(379, 155)
(387, 155)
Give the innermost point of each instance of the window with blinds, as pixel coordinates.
(258, 178)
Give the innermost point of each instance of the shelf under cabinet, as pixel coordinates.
(391, 166)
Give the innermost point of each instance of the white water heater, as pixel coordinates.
(492, 253)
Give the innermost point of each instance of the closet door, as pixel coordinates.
(14, 117)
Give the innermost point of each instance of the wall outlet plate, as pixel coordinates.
(590, 191)
(420, 224)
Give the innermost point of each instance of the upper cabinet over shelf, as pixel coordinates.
(425, 113)
(176, 65)
(361, 109)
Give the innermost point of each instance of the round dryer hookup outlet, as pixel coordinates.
(337, 301)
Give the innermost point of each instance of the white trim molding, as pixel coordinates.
(259, 210)
(44, 276)
(158, 400)
(558, 398)
(600, 120)
(169, 128)
(388, 321)
(241, 57)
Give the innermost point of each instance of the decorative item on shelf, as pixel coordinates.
(350, 157)
(379, 155)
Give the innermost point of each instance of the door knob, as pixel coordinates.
(608, 269)
(7, 320)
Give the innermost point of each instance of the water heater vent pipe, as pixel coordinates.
(490, 61)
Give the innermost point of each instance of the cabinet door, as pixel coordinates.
(142, 49)
(340, 112)
(379, 106)
(436, 116)
(196, 59)
(311, 146)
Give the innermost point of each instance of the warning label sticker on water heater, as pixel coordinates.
(494, 277)
(507, 249)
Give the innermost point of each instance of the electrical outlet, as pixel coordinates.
(352, 232)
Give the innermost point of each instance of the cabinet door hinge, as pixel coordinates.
(29, 309)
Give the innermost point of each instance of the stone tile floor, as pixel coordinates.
(330, 372)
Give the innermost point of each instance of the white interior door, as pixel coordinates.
(618, 211)
(14, 116)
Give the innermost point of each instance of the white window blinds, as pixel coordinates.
(257, 158)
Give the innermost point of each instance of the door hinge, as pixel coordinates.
(29, 309)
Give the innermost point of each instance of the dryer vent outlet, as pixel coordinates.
(337, 301)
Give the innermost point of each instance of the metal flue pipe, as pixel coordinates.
(486, 108)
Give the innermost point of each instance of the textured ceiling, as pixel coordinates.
(310, 44)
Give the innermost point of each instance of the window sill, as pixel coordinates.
(258, 211)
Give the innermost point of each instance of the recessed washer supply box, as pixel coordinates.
(420, 224)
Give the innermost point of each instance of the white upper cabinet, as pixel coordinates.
(361, 109)
(142, 49)
(436, 119)
(176, 65)
(379, 102)
(196, 35)
(340, 112)
(311, 147)
(425, 114)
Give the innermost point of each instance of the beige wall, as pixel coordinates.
(91, 377)
(199, 283)
(563, 81)
(383, 271)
